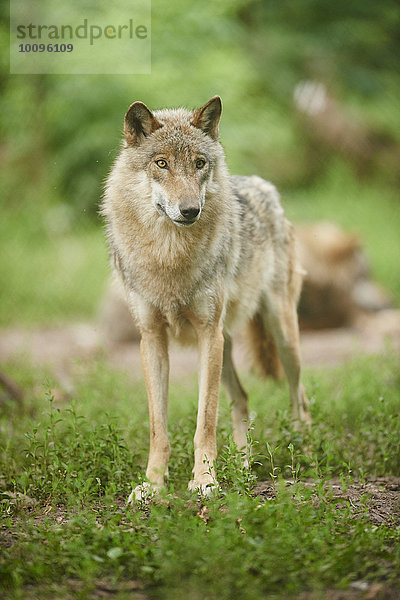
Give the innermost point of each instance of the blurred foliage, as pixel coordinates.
(60, 133)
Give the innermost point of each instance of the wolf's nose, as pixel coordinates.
(189, 212)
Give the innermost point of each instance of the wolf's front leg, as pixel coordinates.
(211, 347)
(155, 365)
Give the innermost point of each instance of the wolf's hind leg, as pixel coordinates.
(281, 320)
(237, 397)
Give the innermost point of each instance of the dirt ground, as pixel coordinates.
(379, 496)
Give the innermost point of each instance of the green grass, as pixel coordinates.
(52, 270)
(68, 466)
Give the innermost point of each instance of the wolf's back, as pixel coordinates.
(258, 196)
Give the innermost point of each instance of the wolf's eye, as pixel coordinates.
(162, 163)
(200, 163)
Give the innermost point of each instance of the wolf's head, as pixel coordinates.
(177, 151)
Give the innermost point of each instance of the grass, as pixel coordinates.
(53, 270)
(68, 466)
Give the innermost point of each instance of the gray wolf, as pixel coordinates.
(200, 254)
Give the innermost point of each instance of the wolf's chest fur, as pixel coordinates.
(168, 267)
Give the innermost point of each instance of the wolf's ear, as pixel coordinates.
(207, 118)
(139, 123)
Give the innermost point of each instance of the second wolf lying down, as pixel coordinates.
(200, 254)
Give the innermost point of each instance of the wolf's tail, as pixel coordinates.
(262, 349)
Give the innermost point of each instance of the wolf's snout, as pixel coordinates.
(189, 212)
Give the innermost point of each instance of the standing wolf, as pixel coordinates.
(200, 254)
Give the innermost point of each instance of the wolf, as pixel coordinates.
(200, 254)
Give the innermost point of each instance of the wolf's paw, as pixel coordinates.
(203, 486)
(304, 423)
(142, 493)
(304, 420)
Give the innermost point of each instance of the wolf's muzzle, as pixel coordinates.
(189, 213)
